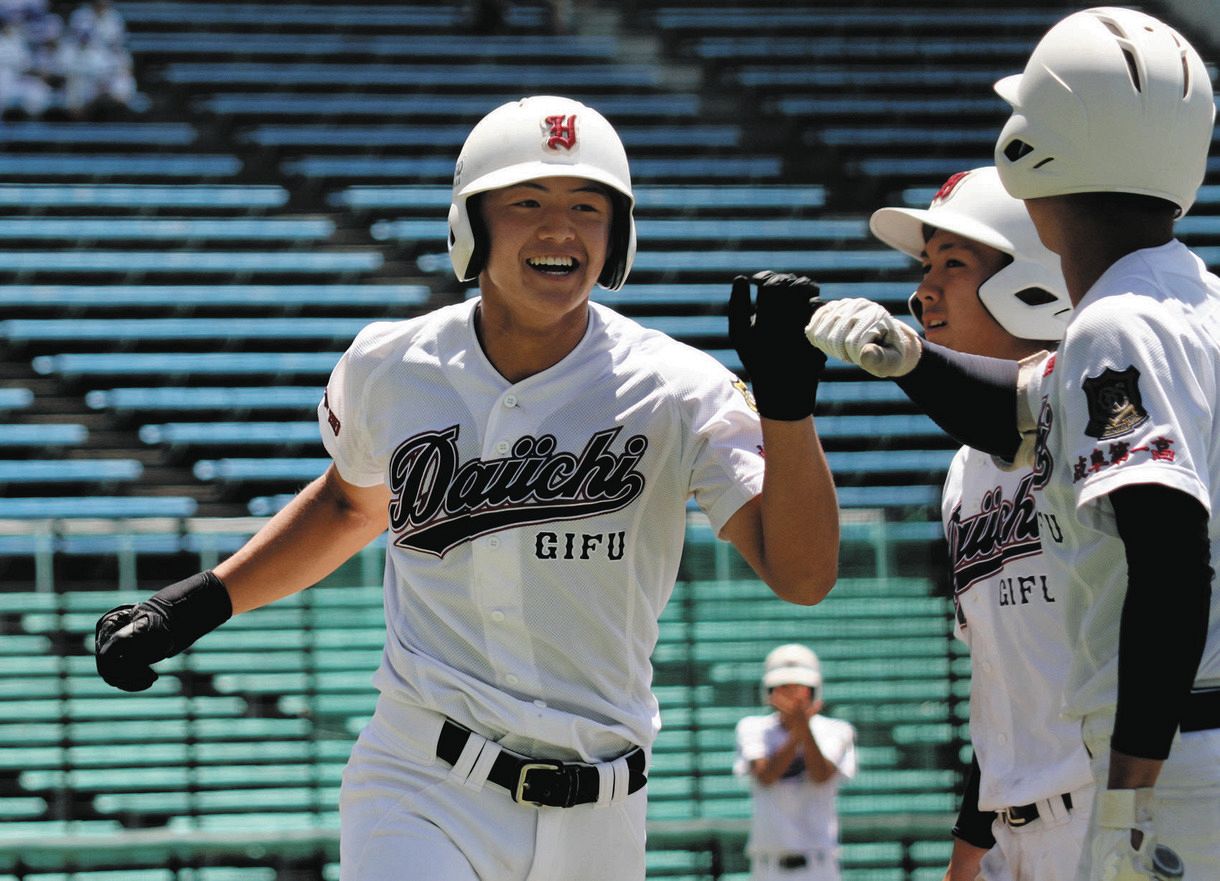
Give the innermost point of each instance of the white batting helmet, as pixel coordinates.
(1028, 297)
(542, 136)
(792, 664)
(1111, 100)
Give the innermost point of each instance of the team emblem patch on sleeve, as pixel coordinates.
(1115, 408)
(745, 393)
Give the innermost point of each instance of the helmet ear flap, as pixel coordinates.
(478, 233)
(621, 247)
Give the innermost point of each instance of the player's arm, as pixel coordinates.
(324, 525)
(321, 528)
(789, 534)
(1163, 627)
(973, 398)
(972, 836)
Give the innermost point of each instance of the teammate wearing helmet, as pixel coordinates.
(532, 455)
(795, 759)
(990, 287)
(1107, 144)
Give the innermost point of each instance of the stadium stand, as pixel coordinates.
(179, 281)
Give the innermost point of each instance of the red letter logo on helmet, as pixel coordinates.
(947, 188)
(561, 132)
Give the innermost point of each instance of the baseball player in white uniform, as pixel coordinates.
(1107, 145)
(795, 759)
(532, 454)
(990, 287)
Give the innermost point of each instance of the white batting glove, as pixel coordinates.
(863, 333)
(1119, 812)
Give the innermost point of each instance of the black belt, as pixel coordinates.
(792, 861)
(1020, 815)
(1202, 710)
(544, 783)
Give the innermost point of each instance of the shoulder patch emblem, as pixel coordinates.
(746, 393)
(1115, 407)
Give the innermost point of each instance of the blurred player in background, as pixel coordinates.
(795, 759)
(532, 455)
(1107, 145)
(990, 287)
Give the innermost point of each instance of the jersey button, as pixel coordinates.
(497, 615)
(541, 704)
(510, 401)
(493, 542)
(503, 447)
(511, 679)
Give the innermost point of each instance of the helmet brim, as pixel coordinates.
(1009, 88)
(902, 229)
(526, 171)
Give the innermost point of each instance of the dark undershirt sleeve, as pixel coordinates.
(1165, 614)
(974, 826)
(971, 397)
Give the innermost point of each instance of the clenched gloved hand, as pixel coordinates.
(769, 337)
(129, 639)
(864, 333)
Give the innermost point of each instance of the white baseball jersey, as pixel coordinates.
(536, 527)
(794, 815)
(1010, 611)
(1131, 397)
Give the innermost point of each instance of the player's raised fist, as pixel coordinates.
(769, 336)
(129, 639)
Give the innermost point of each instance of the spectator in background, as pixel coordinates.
(94, 73)
(100, 23)
(21, 87)
(795, 759)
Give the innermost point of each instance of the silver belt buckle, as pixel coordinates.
(523, 784)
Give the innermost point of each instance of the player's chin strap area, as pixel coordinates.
(542, 783)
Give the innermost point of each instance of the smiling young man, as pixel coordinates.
(990, 287)
(532, 454)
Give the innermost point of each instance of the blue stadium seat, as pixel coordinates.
(98, 507)
(19, 331)
(30, 196)
(348, 45)
(193, 261)
(174, 229)
(178, 364)
(99, 165)
(359, 15)
(890, 49)
(15, 398)
(109, 134)
(230, 296)
(264, 469)
(266, 434)
(99, 471)
(43, 435)
(192, 398)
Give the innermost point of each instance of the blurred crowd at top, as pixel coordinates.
(76, 67)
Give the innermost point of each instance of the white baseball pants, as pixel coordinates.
(405, 815)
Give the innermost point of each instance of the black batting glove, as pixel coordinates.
(129, 639)
(782, 366)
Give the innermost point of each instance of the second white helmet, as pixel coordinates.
(1028, 297)
(538, 137)
(1111, 100)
